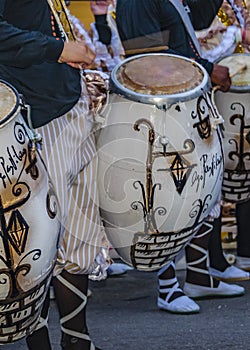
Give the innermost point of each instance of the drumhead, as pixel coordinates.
(9, 102)
(239, 69)
(159, 79)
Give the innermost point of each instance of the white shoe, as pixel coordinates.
(243, 263)
(180, 305)
(223, 290)
(118, 269)
(231, 274)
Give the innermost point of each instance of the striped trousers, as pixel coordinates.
(70, 156)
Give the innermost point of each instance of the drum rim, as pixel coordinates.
(16, 106)
(236, 88)
(159, 100)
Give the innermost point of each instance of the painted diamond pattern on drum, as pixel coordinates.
(180, 168)
(17, 231)
(180, 171)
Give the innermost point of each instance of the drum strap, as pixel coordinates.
(187, 22)
(60, 13)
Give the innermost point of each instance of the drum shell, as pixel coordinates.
(234, 106)
(30, 227)
(123, 157)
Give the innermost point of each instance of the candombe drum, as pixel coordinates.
(160, 157)
(234, 106)
(30, 226)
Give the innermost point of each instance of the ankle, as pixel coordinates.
(69, 342)
(39, 340)
(201, 279)
(169, 289)
(221, 266)
(175, 295)
(167, 272)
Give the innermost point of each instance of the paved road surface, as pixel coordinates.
(123, 315)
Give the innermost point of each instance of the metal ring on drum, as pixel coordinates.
(160, 157)
(30, 226)
(234, 106)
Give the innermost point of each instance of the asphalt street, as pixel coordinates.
(123, 315)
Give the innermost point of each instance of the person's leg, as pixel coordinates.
(199, 282)
(39, 339)
(71, 296)
(216, 255)
(82, 242)
(197, 259)
(171, 297)
(219, 267)
(69, 153)
(53, 156)
(243, 235)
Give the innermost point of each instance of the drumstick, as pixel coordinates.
(239, 70)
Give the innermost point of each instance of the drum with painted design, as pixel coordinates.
(30, 225)
(234, 106)
(160, 157)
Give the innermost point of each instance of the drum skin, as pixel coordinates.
(160, 167)
(30, 225)
(234, 106)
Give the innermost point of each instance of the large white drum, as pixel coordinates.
(160, 157)
(29, 227)
(234, 106)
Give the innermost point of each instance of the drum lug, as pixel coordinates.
(36, 138)
(216, 122)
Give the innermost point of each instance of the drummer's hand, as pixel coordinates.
(220, 77)
(77, 54)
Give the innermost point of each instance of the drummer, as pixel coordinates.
(166, 30)
(44, 67)
(164, 26)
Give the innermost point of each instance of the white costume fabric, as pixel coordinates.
(70, 157)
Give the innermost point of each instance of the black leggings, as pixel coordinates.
(217, 259)
(216, 256)
(243, 226)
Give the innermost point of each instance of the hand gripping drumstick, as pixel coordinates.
(239, 70)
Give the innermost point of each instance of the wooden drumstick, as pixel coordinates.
(239, 70)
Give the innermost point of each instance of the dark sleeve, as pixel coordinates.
(103, 29)
(21, 48)
(203, 12)
(180, 36)
(206, 64)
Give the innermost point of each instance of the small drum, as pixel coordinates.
(234, 106)
(160, 157)
(30, 226)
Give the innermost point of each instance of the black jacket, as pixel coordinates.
(203, 12)
(28, 60)
(154, 23)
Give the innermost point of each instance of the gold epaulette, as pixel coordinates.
(60, 13)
